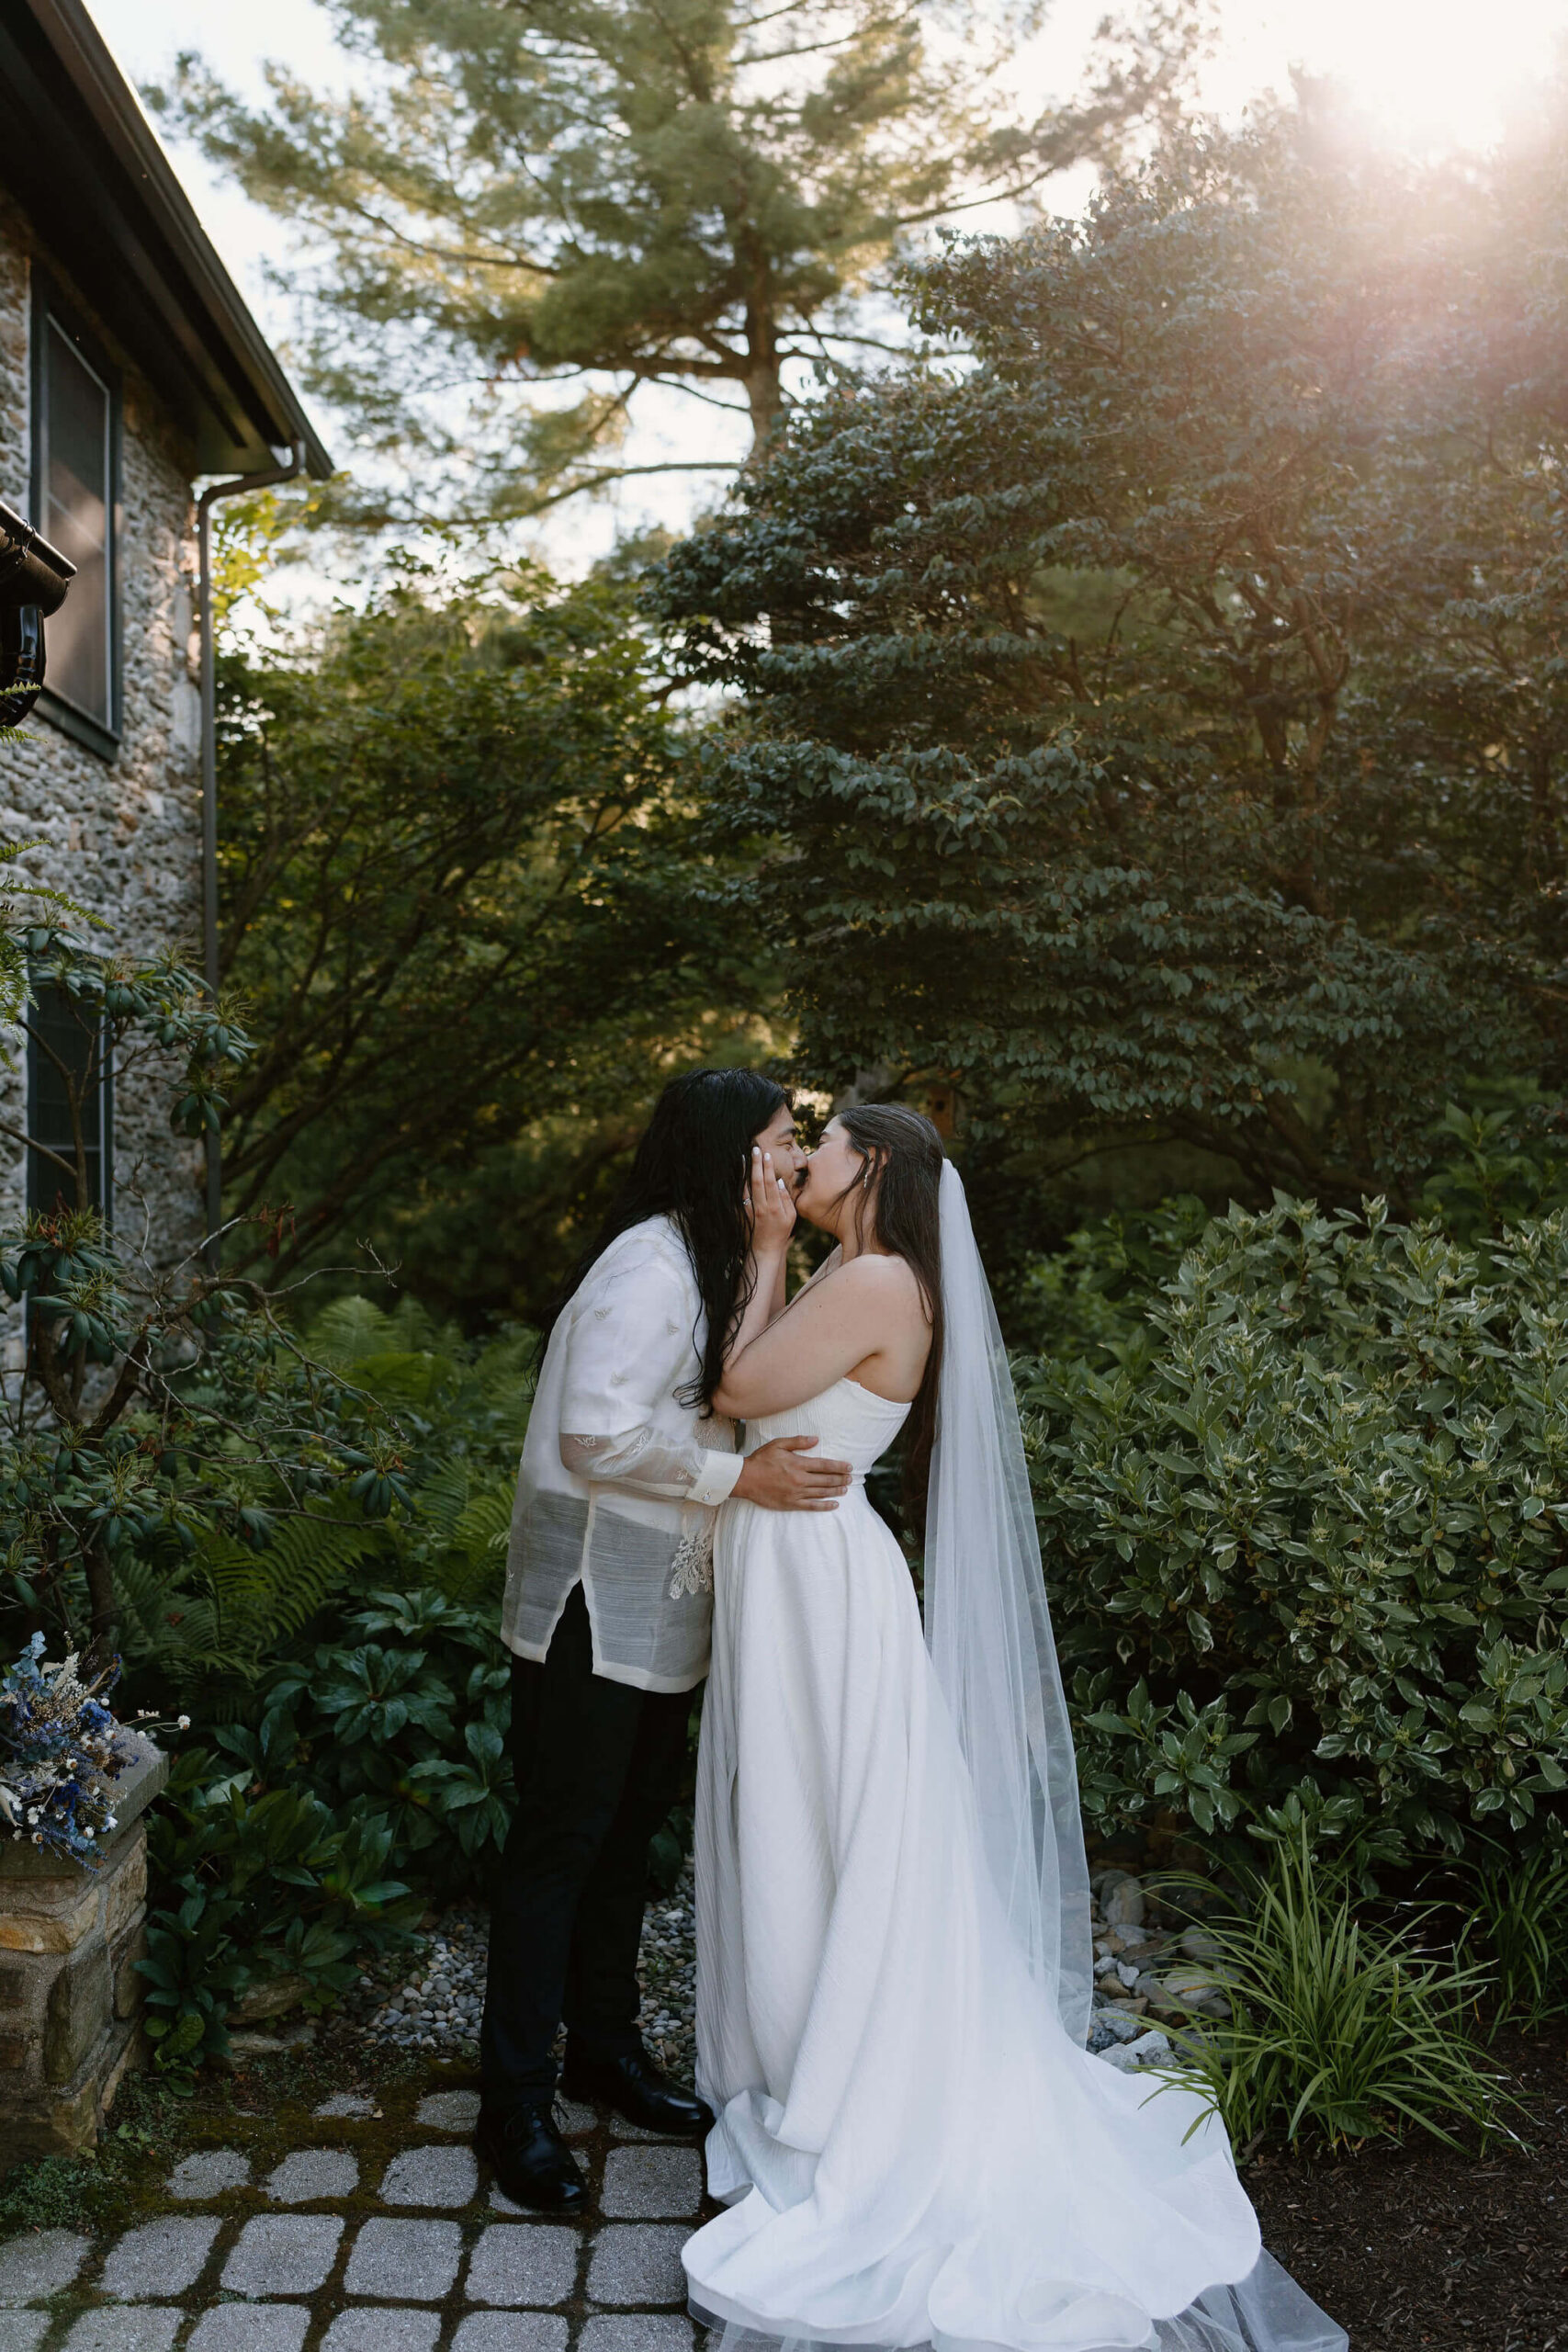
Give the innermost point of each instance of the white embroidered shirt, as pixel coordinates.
(619, 1481)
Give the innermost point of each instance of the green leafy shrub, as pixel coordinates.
(405, 1712)
(1337, 2027)
(257, 1883)
(1306, 1547)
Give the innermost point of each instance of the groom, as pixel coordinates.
(608, 1613)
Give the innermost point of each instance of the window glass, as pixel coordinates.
(78, 516)
(66, 1064)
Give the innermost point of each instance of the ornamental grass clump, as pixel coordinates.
(1516, 1912)
(1339, 2028)
(61, 1751)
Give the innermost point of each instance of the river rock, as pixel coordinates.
(1122, 1902)
(273, 1999)
(1193, 1988)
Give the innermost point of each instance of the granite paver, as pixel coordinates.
(528, 2263)
(448, 2112)
(150, 2328)
(406, 2262)
(24, 2330)
(283, 2253)
(308, 2175)
(38, 2264)
(210, 2173)
(251, 2327)
(636, 2332)
(348, 2107)
(384, 2329)
(511, 2332)
(160, 2258)
(432, 2177)
(636, 2261)
(651, 2184)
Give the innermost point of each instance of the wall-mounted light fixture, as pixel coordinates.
(34, 578)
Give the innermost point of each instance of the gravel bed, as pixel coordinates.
(431, 1996)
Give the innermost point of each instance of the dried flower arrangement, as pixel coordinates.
(60, 1752)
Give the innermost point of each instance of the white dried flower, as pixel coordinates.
(183, 1722)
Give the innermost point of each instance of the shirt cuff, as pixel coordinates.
(714, 1481)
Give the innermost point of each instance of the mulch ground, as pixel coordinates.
(1421, 2245)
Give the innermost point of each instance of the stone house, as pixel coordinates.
(129, 368)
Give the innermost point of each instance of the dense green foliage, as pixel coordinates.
(468, 908)
(1162, 721)
(187, 1479)
(1305, 1535)
(251, 1885)
(683, 193)
(157, 1411)
(357, 1765)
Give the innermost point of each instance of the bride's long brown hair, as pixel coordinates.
(895, 1198)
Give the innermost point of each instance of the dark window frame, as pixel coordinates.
(50, 309)
(45, 1183)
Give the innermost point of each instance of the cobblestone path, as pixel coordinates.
(338, 2246)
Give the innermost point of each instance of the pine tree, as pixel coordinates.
(1161, 725)
(622, 193)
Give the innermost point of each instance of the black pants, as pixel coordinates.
(598, 1766)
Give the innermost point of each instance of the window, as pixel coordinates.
(75, 504)
(69, 1068)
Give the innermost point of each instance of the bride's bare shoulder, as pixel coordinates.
(879, 1277)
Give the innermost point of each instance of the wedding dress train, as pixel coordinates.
(910, 2148)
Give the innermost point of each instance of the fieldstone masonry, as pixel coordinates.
(378, 2254)
(122, 836)
(70, 1995)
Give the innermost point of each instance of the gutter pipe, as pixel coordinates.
(212, 1246)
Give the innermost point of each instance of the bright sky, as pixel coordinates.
(1431, 73)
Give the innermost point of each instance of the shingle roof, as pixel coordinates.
(80, 157)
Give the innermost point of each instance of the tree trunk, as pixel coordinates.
(101, 1608)
(764, 391)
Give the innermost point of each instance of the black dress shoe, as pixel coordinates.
(635, 2089)
(530, 2160)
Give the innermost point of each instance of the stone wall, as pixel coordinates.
(69, 1991)
(122, 836)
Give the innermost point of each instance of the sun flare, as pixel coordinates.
(1428, 73)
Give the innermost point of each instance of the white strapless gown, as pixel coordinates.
(910, 2148)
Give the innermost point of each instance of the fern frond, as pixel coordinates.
(347, 1329)
(399, 1379)
(265, 1596)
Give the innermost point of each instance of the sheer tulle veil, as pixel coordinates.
(989, 1632)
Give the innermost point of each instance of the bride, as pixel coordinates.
(894, 1969)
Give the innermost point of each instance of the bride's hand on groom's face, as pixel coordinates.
(771, 1205)
(786, 1474)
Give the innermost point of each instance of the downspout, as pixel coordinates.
(211, 1247)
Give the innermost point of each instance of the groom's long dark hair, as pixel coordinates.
(692, 1166)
